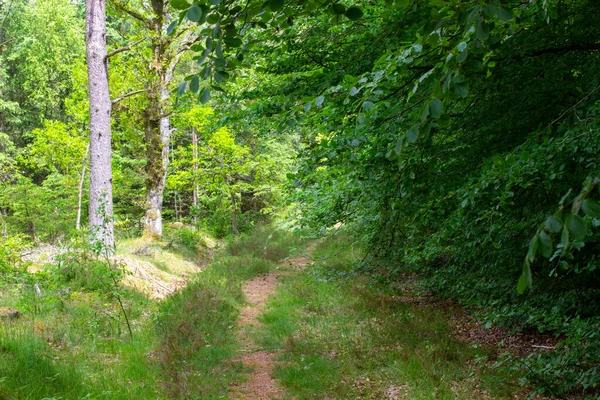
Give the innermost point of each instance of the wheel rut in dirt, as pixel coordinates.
(260, 384)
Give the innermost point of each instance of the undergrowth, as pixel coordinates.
(72, 342)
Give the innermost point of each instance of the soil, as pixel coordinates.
(260, 384)
(468, 329)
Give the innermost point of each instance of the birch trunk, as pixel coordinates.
(80, 193)
(195, 154)
(101, 204)
(234, 215)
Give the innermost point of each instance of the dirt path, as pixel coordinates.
(260, 384)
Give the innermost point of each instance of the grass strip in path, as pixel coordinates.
(260, 382)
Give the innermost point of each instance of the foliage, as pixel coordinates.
(46, 44)
(236, 178)
(11, 266)
(445, 134)
(44, 212)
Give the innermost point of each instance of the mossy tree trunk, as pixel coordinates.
(158, 136)
(157, 127)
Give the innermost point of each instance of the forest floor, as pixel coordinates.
(263, 319)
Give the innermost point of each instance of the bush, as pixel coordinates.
(189, 237)
(10, 258)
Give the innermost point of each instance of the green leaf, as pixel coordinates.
(338, 8)
(444, 121)
(194, 13)
(179, 4)
(399, 144)
(221, 76)
(275, 5)
(553, 224)
(533, 248)
(525, 281)
(503, 14)
(213, 18)
(461, 89)
(564, 238)
(413, 134)
(436, 108)
(195, 84)
(591, 208)
(319, 101)
(215, 2)
(171, 28)
(577, 227)
(482, 31)
(545, 245)
(354, 13)
(205, 96)
(232, 41)
(181, 88)
(490, 10)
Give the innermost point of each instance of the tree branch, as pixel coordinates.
(585, 98)
(126, 95)
(6, 42)
(122, 49)
(126, 9)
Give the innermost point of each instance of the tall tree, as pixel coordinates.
(166, 50)
(101, 202)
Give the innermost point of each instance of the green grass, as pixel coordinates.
(74, 344)
(339, 336)
(77, 348)
(341, 339)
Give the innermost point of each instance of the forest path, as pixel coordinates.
(260, 384)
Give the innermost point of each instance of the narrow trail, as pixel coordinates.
(260, 384)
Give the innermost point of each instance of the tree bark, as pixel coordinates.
(101, 203)
(195, 166)
(80, 193)
(158, 135)
(158, 126)
(234, 215)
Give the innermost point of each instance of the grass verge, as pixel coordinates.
(339, 339)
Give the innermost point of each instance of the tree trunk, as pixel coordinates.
(158, 135)
(234, 215)
(195, 166)
(158, 127)
(101, 204)
(80, 193)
